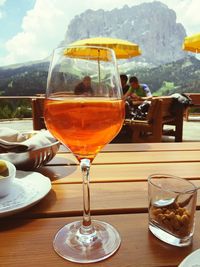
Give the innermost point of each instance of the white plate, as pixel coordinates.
(28, 188)
(192, 260)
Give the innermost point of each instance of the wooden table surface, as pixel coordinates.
(118, 196)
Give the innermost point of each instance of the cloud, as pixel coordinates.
(187, 12)
(191, 16)
(2, 2)
(44, 27)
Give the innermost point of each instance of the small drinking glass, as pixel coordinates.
(172, 205)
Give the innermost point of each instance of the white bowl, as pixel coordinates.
(6, 182)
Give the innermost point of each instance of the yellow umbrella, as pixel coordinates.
(123, 49)
(192, 43)
(89, 52)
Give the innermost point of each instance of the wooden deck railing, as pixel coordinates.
(36, 111)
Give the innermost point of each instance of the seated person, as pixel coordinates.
(137, 90)
(124, 79)
(84, 87)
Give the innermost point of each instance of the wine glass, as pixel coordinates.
(84, 110)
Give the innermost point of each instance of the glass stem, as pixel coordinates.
(85, 168)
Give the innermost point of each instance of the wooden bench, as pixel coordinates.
(173, 112)
(195, 97)
(163, 111)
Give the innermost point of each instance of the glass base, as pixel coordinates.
(74, 246)
(168, 238)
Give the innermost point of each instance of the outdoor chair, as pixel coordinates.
(38, 113)
(149, 130)
(195, 97)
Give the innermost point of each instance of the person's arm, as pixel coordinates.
(128, 93)
(147, 91)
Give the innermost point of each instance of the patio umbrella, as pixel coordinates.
(192, 43)
(90, 52)
(123, 49)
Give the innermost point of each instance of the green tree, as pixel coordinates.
(165, 89)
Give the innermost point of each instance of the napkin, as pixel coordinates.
(15, 141)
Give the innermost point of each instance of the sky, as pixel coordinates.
(31, 29)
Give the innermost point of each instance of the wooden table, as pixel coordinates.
(118, 196)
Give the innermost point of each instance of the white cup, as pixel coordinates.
(6, 182)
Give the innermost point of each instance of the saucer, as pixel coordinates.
(192, 259)
(28, 188)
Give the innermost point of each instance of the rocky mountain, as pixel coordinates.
(151, 25)
(163, 65)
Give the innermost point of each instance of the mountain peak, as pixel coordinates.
(152, 26)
